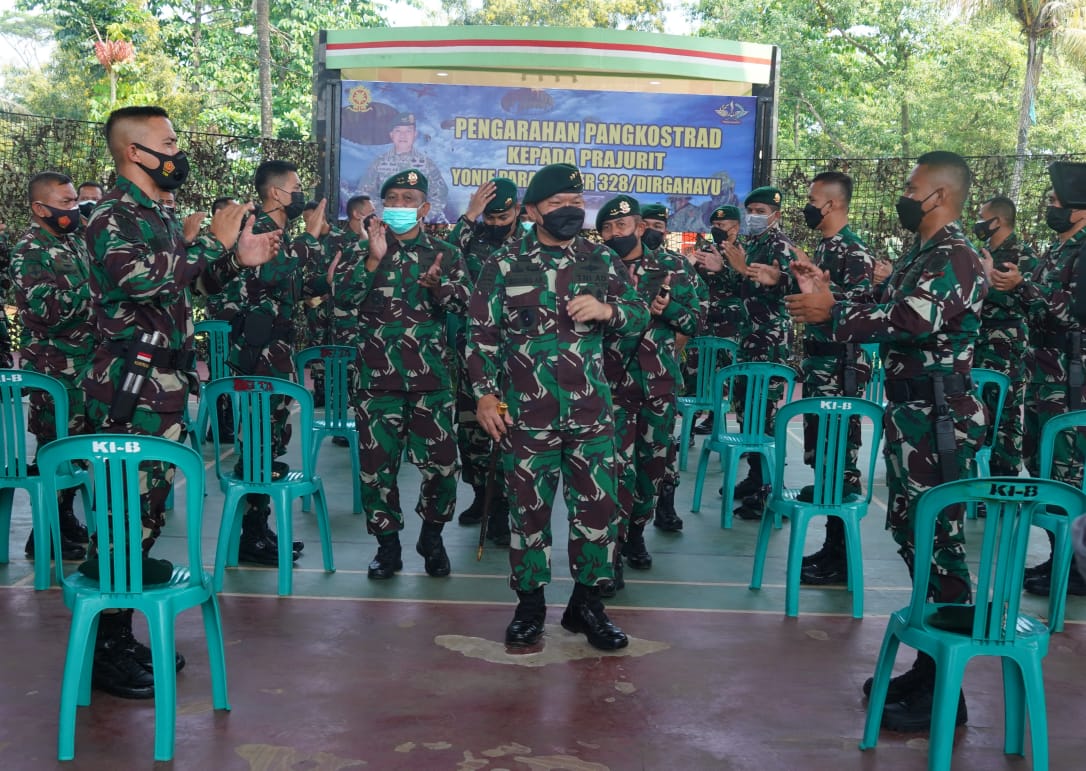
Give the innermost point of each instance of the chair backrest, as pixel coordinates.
(218, 346)
(114, 461)
(831, 450)
(759, 376)
(708, 348)
(1051, 433)
(14, 385)
(1010, 503)
(253, 400)
(337, 361)
(873, 391)
(989, 377)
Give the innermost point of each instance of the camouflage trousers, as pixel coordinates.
(42, 419)
(643, 446)
(533, 461)
(387, 422)
(1006, 356)
(912, 468)
(822, 377)
(156, 478)
(1044, 401)
(473, 443)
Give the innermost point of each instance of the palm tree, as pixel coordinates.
(1060, 24)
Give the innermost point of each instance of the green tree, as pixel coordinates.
(644, 15)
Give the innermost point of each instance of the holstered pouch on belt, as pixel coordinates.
(946, 441)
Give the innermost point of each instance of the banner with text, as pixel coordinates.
(689, 153)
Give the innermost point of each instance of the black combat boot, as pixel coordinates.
(585, 615)
(1042, 584)
(526, 628)
(1045, 568)
(634, 550)
(473, 514)
(609, 587)
(140, 652)
(497, 525)
(116, 669)
(901, 686)
(666, 518)
(258, 544)
(69, 550)
(753, 483)
(752, 507)
(388, 559)
(832, 566)
(911, 711)
(705, 427)
(432, 549)
(70, 526)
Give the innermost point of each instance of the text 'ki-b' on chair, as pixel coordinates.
(254, 399)
(708, 350)
(337, 419)
(114, 461)
(952, 634)
(1058, 428)
(16, 470)
(834, 415)
(986, 380)
(758, 378)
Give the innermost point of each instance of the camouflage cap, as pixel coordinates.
(654, 211)
(1069, 183)
(767, 194)
(409, 179)
(726, 213)
(505, 196)
(618, 207)
(552, 180)
(404, 119)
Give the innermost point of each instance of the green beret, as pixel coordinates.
(505, 196)
(404, 119)
(618, 207)
(552, 180)
(654, 211)
(726, 213)
(767, 194)
(409, 179)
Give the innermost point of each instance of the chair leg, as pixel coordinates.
(216, 651)
(230, 523)
(160, 625)
(1014, 707)
(884, 668)
(684, 438)
(699, 479)
(1038, 717)
(729, 461)
(46, 524)
(760, 549)
(356, 470)
(281, 502)
(797, 536)
(944, 711)
(325, 528)
(81, 637)
(1061, 570)
(7, 497)
(854, 559)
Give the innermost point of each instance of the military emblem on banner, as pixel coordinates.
(731, 114)
(359, 99)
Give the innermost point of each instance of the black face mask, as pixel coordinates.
(652, 239)
(86, 208)
(622, 245)
(910, 212)
(294, 209)
(495, 235)
(564, 223)
(61, 220)
(719, 235)
(1058, 219)
(813, 216)
(172, 170)
(983, 229)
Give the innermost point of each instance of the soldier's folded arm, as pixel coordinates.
(924, 311)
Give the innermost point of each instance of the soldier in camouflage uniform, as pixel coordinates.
(402, 293)
(831, 368)
(758, 275)
(1051, 293)
(260, 307)
(141, 279)
(539, 316)
(401, 157)
(49, 267)
(496, 202)
(1001, 345)
(643, 372)
(926, 317)
(655, 217)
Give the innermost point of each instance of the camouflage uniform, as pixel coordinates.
(549, 370)
(927, 320)
(58, 336)
(390, 162)
(6, 360)
(403, 390)
(141, 277)
(1001, 346)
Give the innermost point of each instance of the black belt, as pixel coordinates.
(920, 389)
(1049, 340)
(163, 358)
(721, 316)
(823, 348)
(1000, 324)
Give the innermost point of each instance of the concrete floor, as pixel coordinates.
(411, 673)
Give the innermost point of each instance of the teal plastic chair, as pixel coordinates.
(252, 401)
(708, 349)
(828, 500)
(982, 379)
(874, 390)
(1055, 521)
(114, 461)
(337, 419)
(752, 439)
(15, 459)
(998, 629)
(218, 348)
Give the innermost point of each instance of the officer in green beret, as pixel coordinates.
(496, 203)
(543, 311)
(643, 372)
(403, 290)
